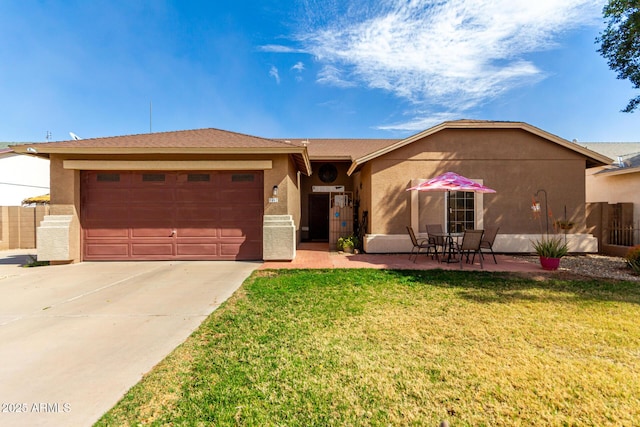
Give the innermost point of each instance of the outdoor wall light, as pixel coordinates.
(275, 191)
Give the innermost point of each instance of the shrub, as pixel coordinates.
(633, 258)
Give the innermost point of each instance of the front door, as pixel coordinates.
(319, 217)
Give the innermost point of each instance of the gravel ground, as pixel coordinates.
(606, 267)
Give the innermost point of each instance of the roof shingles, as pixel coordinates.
(198, 138)
(342, 149)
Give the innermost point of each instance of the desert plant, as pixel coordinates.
(633, 258)
(550, 247)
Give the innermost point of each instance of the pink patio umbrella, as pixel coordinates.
(451, 181)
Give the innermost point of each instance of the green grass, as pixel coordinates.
(374, 347)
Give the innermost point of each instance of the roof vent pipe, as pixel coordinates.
(620, 162)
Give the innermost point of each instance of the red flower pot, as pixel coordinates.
(550, 264)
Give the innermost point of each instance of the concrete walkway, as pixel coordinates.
(75, 338)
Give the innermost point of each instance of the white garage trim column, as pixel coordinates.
(278, 238)
(54, 238)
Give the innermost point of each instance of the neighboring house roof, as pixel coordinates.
(7, 152)
(343, 149)
(625, 165)
(21, 177)
(613, 149)
(593, 158)
(626, 155)
(44, 199)
(198, 141)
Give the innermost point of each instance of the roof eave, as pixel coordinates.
(303, 162)
(618, 171)
(331, 158)
(299, 154)
(24, 150)
(161, 150)
(594, 159)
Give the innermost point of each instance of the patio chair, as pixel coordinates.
(436, 235)
(488, 239)
(418, 245)
(470, 243)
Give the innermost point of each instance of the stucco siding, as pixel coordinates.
(293, 196)
(513, 162)
(623, 188)
(365, 193)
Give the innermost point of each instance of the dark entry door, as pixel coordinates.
(319, 217)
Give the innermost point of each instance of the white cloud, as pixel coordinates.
(273, 72)
(331, 75)
(299, 66)
(421, 121)
(453, 55)
(276, 48)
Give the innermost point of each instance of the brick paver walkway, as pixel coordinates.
(318, 255)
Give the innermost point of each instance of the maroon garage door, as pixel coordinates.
(172, 215)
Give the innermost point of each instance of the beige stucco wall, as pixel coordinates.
(364, 190)
(513, 162)
(278, 175)
(65, 200)
(65, 186)
(293, 196)
(624, 188)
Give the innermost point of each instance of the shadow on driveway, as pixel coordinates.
(15, 259)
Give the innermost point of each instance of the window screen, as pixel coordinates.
(108, 177)
(153, 177)
(198, 177)
(242, 177)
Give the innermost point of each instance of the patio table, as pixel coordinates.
(448, 249)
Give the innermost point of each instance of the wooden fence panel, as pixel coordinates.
(18, 226)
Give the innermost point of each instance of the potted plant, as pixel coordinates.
(550, 250)
(346, 244)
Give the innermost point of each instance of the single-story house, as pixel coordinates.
(21, 177)
(213, 194)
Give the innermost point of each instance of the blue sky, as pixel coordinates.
(305, 68)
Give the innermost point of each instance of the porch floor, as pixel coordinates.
(318, 255)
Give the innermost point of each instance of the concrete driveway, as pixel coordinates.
(75, 338)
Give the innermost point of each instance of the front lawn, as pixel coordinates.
(375, 347)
